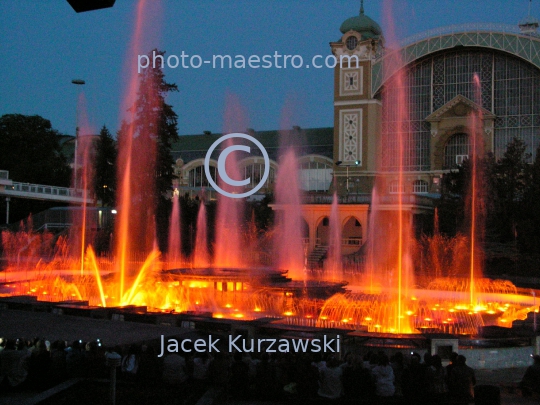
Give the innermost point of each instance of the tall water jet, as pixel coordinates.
(136, 158)
(174, 251)
(288, 242)
(83, 175)
(401, 143)
(201, 257)
(228, 251)
(474, 201)
(334, 264)
(373, 279)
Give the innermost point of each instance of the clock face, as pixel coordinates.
(351, 42)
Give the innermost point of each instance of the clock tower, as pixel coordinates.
(357, 115)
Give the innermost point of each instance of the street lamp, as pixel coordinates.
(77, 82)
(356, 163)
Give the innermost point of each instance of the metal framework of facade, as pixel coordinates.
(505, 38)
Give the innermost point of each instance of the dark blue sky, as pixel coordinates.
(45, 44)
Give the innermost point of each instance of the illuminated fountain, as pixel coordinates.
(224, 281)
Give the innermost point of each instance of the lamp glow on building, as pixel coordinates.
(356, 163)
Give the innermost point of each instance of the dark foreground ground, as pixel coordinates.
(96, 392)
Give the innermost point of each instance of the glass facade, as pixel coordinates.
(456, 150)
(197, 176)
(510, 89)
(315, 176)
(255, 172)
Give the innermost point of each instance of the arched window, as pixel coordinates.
(456, 150)
(197, 176)
(255, 172)
(352, 232)
(510, 90)
(315, 176)
(420, 186)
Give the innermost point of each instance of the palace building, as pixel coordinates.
(438, 67)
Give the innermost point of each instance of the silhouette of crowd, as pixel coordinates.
(375, 378)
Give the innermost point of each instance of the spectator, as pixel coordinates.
(331, 386)
(414, 381)
(453, 358)
(219, 372)
(174, 370)
(75, 360)
(384, 377)
(58, 362)
(438, 389)
(130, 363)
(398, 367)
(531, 380)
(149, 370)
(13, 365)
(462, 380)
(239, 378)
(307, 378)
(265, 381)
(38, 366)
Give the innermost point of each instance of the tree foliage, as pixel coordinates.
(511, 193)
(105, 170)
(30, 149)
(153, 130)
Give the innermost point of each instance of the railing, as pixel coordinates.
(42, 189)
(344, 242)
(457, 29)
(344, 199)
(4, 175)
(351, 241)
(389, 199)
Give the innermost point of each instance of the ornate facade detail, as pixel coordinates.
(351, 82)
(363, 52)
(351, 135)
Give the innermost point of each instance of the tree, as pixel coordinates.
(105, 170)
(145, 147)
(529, 226)
(510, 184)
(30, 150)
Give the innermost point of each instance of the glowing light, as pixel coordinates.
(198, 284)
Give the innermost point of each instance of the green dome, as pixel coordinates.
(362, 24)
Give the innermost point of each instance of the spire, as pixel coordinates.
(361, 7)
